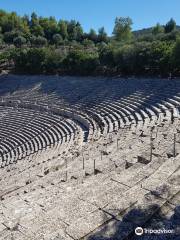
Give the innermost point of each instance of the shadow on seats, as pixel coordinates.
(125, 229)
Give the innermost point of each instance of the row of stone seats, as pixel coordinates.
(100, 188)
(117, 114)
(166, 144)
(80, 91)
(14, 121)
(87, 124)
(4, 111)
(81, 118)
(120, 99)
(65, 87)
(137, 107)
(33, 135)
(50, 109)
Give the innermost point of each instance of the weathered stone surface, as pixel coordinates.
(47, 192)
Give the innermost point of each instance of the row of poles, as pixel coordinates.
(151, 146)
(117, 145)
(94, 160)
(83, 165)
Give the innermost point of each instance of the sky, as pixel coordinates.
(98, 13)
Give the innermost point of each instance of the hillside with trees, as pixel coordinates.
(35, 45)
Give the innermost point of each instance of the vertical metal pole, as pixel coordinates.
(172, 116)
(151, 146)
(66, 171)
(174, 146)
(126, 164)
(110, 138)
(156, 132)
(83, 160)
(94, 166)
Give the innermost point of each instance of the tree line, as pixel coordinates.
(36, 45)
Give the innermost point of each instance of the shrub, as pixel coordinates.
(19, 41)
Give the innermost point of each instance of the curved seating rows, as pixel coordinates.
(101, 106)
(22, 135)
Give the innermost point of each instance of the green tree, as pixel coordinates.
(102, 35)
(159, 57)
(75, 31)
(24, 27)
(9, 36)
(37, 30)
(106, 56)
(57, 39)
(29, 60)
(38, 41)
(63, 29)
(80, 62)
(19, 41)
(88, 43)
(34, 20)
(175, 59)
(92, 35)
(170, 26)
(157, 29)
(53, 61)
(9, 21)
(25, 19)
(79, 32)
(49, 26)
(122, 28)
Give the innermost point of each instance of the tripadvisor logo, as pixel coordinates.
(139, 231)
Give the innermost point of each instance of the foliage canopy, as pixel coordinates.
(44, 45)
